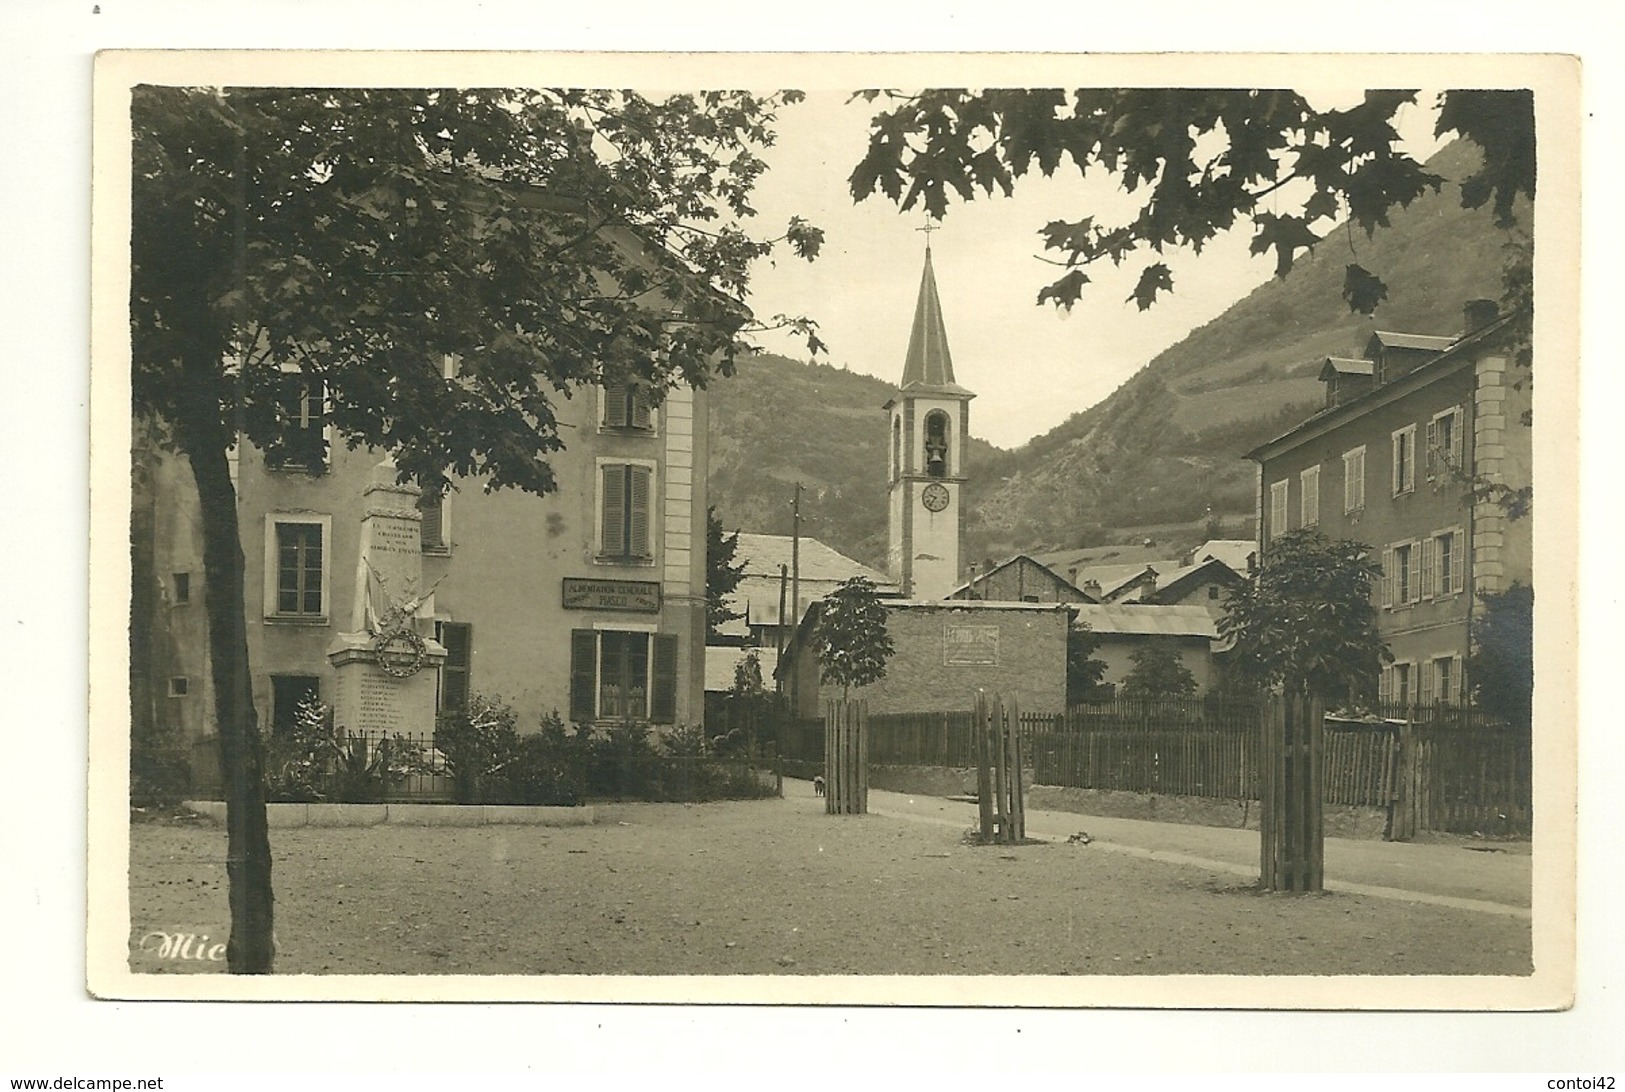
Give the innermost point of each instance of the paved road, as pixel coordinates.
(1489, 877)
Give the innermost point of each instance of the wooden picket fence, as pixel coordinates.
(846, 758)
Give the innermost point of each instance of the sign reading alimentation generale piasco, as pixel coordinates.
(634, 596)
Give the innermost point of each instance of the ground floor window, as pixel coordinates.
(287, 691)
(623, 675)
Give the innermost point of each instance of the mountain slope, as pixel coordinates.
(1168, 444)
(1161, 456)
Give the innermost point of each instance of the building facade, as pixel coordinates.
(1392, 461)
(944, 650)
(589, 601)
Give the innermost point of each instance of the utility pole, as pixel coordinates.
(778, 676)
(795, 556)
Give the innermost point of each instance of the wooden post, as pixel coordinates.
(980, 732)
(1000, 789)
(846, 758)
(1292, 822)
(1018, 806)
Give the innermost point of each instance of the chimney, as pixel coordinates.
(1091, 588)
(1072, 576)
(1477, 314)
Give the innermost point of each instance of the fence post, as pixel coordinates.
(1018, 805)
(980, 730)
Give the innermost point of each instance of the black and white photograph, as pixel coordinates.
(1031, 531)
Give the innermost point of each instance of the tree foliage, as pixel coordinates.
(1200, 161)
(351, 240)
(722, 576)
(853, 645)
(1158, 672)
(1084, 672)
(1305, 621)
(1501, 666)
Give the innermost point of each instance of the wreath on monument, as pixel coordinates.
(400, 652)
(397, 646)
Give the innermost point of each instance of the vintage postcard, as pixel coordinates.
(695, 529)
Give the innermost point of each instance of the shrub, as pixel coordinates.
(160, 775)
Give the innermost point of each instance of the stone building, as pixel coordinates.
(590, 601)
(1391, 461)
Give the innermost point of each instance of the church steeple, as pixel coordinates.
(929, 421)
(929, 365)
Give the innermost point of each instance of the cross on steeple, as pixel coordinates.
(928, 229)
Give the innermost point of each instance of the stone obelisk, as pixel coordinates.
(385, 663)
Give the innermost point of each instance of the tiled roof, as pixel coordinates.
(1392, 339)
(822, 568)
(1147, 619)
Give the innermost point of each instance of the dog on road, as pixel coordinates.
(818, 785)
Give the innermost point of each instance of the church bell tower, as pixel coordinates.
(928, 420)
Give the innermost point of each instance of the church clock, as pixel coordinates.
(934, 497)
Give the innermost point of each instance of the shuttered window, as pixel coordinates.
(1446, 549)
(1354, 480)
(1278, 509)
(626, 405)
(1309, 502)
(1429, 568)
(1401, 574)
(301, 442)
(1404, 460)
(458, 639)
(623, 676)
(432, 506)
(1444, 442)
(624, 525)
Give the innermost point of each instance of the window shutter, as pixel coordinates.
(637, 539)
(583, 675)
(1429, 567)
(1385, 684)
(458, 637)
(1415, 582)
(1359, 478)
(1398, 461)
(432, 504)
(1407, 441)
(1457, 420)
(1433, 446)
(615, 405)
(640, 409)
(663, 703)
(614, 515)
(1458, 575)
(1388, 577)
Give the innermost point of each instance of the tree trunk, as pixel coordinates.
(248, 846)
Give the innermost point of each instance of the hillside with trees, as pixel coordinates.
(1162, 455)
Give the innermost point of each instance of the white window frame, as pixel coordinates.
(625, 430)
(268, 610)
(1309, 497)
(1457, 555)
(1392, 571)
(655, 530)
(1353, 484)
(1439, 467)
(1403, 476)
(1280, 506)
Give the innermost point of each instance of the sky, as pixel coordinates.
(1031, 366)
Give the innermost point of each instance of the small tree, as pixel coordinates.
(853, 645)
(722, 576)
(1305, 621)
(1158, 672)
(1502, 663)
(1085, 674)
